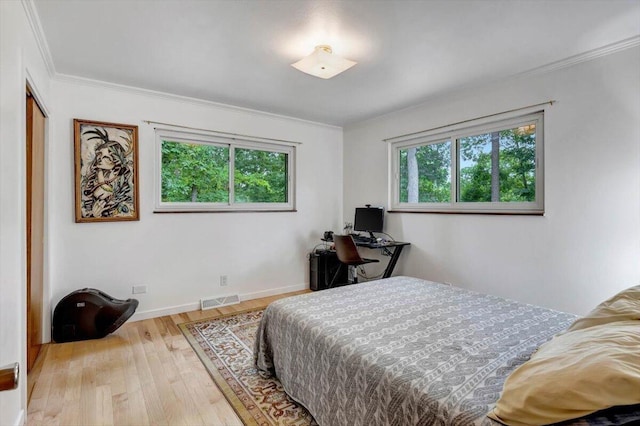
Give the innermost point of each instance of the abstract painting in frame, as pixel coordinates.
(106, 171)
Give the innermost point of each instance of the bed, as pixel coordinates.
(403, 351)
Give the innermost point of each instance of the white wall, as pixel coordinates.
(586, 246)
(20, 59)
(180, 257)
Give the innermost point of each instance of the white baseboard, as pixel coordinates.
(194, 306)
(160, 312)
(273, 291)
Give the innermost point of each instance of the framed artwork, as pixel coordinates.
(106, 171)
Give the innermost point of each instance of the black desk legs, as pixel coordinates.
(392, 262)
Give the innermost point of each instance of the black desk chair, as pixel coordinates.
(348, 255)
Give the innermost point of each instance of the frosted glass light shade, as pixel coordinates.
(322, 63)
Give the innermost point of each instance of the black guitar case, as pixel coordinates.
(89, 314)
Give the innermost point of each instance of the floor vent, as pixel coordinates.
(216, 302)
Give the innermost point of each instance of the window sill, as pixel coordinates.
(225, 211)
(481, 212)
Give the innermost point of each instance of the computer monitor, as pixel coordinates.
(369, 219)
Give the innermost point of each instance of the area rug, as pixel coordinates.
(225, 347)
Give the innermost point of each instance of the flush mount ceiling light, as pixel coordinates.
(323, 63)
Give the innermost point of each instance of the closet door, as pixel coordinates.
(35, 227)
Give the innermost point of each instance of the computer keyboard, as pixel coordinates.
(362, 239)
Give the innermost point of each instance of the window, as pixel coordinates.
(490, 168)
(201, 172)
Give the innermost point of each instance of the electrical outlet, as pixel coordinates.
(223, 281)
(138, 289)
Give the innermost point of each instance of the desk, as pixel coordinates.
(324, 264)
(394, 247)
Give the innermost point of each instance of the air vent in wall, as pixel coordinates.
(216, 302)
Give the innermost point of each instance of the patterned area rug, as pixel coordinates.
(225, 347)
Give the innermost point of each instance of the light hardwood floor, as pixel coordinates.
(144, 373)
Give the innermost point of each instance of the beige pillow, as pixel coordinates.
(621, 307)
(574, 375)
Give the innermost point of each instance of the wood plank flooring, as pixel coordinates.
(143, 374)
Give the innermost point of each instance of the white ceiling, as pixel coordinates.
(239, 52)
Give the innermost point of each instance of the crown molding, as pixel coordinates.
(71, 79)
(38, 33)
(43, 46)
(589, 55)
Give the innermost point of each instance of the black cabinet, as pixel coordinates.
(323, 265)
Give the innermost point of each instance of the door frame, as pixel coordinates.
(46, 288)
(18, 70)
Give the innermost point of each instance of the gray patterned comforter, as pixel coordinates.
(400, 351)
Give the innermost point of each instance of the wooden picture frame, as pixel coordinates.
(106, 171)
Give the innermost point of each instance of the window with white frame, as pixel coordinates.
(493, 167)
(206, 172)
